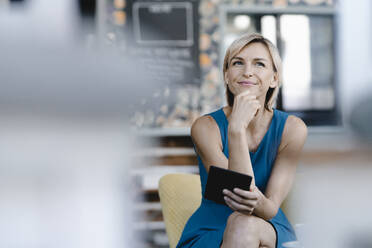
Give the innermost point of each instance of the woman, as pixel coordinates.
(250, 137)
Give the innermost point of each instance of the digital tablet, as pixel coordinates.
(220, 179)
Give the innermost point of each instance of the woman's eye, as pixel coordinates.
(237, 63)
(260, 64)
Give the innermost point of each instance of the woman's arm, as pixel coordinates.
(283, 173)
(239, 158)
(284, 169)
(206, 137)
(243, 111)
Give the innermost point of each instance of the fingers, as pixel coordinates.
(247, 96)
(249, 101)
(251, 195)
(246, 106)
(233, 196)
(248, 198)
(228, 203)
(237, 206)
(246, 195)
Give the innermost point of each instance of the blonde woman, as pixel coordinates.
(251, 137)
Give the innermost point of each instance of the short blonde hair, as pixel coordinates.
(241, 43)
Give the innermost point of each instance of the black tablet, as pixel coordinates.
(220, 179)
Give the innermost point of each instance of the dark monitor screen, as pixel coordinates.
(163, 23)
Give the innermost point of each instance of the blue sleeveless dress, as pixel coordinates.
(206, 226)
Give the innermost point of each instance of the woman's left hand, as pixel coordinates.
(243, 201)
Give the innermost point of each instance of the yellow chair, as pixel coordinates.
(180, 196)
(291, 205)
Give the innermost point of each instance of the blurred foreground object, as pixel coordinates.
(63, 183)
(65, 147)
(335, 205)
(361, 119)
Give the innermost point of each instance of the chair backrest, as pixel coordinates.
(291, 206)
(180, 196)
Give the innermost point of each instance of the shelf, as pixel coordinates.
(161, 132)
(161, 169)
(164, 151)
(145, 206)
(149, 177)
(169, 150)
(149, 225)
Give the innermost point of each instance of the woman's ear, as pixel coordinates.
(225, 78)
(274, 83)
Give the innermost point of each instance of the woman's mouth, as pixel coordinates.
(246, 83)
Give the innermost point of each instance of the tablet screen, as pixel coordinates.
(220, 179)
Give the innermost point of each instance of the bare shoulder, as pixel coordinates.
(295, 124)
(205, 129)
(204, 125)
(295, 132)
(207, 141)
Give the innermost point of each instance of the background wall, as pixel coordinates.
(355, 37)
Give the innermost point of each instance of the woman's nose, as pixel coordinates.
(248, 71)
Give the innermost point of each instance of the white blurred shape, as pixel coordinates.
(41, 20)
(242, 21)
(65, 148)
(63, 183)
(355, 36)
(268, 25)
(335, 205)
(296, 61)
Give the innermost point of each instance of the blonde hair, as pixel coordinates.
(241, 43)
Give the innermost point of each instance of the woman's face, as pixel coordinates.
(251, 69)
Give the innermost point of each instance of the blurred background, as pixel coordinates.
(97, 98)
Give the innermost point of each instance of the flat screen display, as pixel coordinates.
(165, 23)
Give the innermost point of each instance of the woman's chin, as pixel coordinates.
(250, 89)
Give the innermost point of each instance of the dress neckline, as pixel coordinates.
(266, 134)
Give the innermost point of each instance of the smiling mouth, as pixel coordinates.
(246, 83)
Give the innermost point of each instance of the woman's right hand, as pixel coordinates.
(245, 107)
